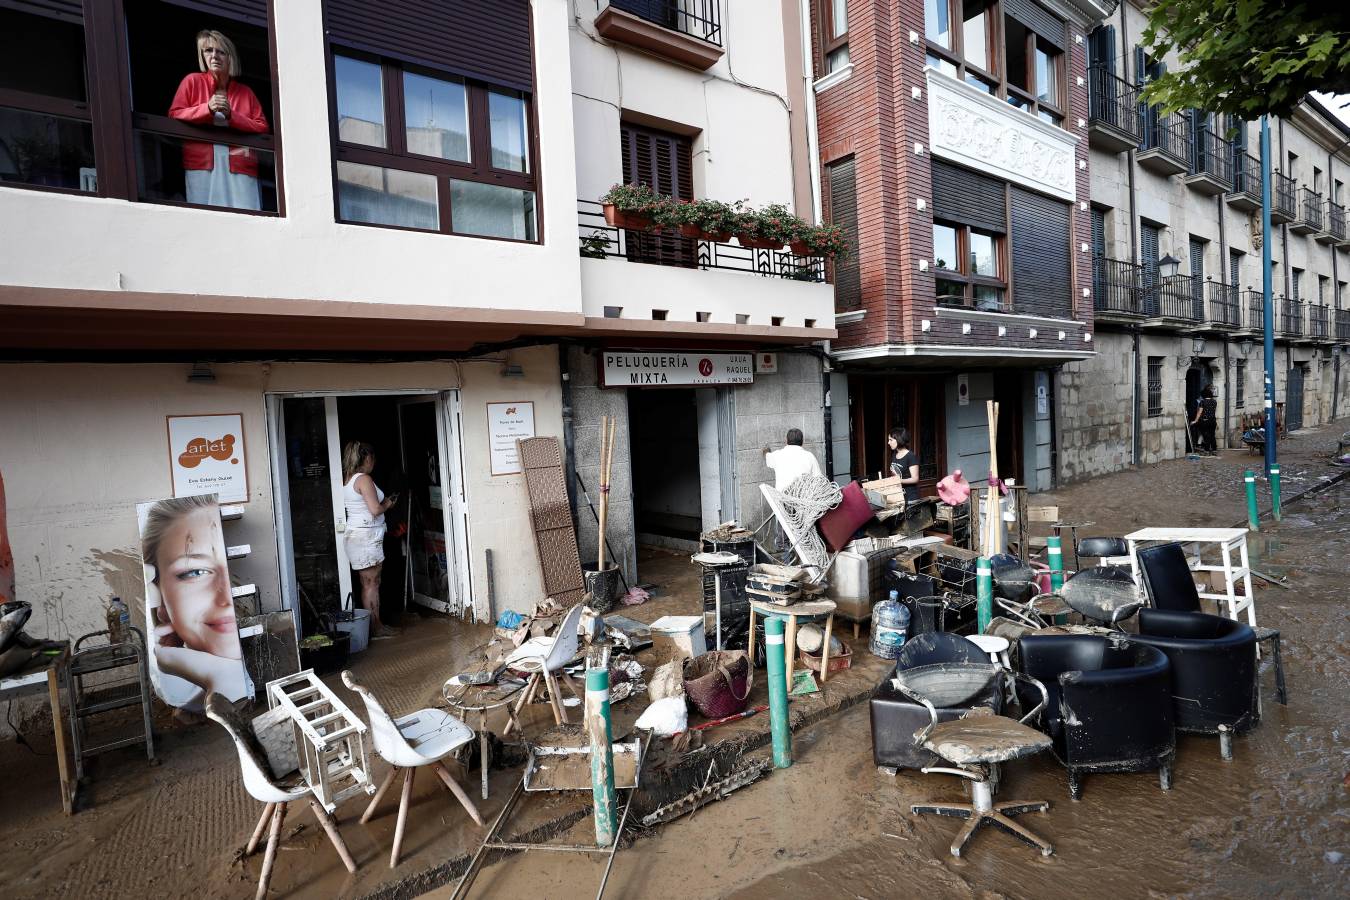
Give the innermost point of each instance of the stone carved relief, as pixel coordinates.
(967, 127)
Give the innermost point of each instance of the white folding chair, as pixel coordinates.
(408, 743)
(275, 793)
(543, 658)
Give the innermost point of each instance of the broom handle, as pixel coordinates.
(604, 492)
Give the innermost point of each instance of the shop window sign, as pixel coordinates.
(669, 369)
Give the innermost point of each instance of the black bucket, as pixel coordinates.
(602, 586)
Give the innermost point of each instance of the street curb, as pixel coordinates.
(674, 784)
(1307, 492)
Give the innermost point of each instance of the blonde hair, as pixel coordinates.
(158, 521)
(353, 455)
(210, 34)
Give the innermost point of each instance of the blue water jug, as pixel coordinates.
(890, 626)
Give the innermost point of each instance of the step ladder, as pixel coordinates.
(104, 677)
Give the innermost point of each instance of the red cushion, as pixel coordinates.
(838, 525)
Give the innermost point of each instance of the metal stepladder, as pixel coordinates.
(90, 697)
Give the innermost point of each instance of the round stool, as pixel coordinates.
(995, 646)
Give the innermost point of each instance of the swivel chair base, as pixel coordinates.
(982, 809)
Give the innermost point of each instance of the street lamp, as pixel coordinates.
(1169, 265)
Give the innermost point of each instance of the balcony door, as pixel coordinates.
(1149, 236)
(664, 161)
(1197, 248)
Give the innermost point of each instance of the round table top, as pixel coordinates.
(803, 609)
(989, 643)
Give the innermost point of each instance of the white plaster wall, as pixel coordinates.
(82, 444)
(119, 245)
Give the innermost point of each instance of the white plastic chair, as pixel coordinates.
(544, 657)
(408, 743)
(275, 793)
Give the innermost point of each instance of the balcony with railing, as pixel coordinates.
(1307, 212)
(1246, 193)
(1319, 322)
(1211, 163)
(1343, 325)
(686, 31)
(1221, 309)
(1113, 111)
(1175, 299)
(1116, 289)
(1166, 147)
(1335, 223)
(1252, 304)
(661, 275)
(1291, 317)
(1283, 198)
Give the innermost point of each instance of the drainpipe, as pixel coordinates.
(1335, 302)
(825, 370)
(1136, 421)
(812, 133)
(1223, 273)
(569, 435)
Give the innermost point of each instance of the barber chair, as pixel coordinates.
(1109, 704)
(1104, 595)
(1213, 661)
(974, 746)
(1170, 585)
(896, 717)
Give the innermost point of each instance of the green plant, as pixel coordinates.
(633, 198)
(595, 245)
(708, 216)
(772, 223)
(827, 240)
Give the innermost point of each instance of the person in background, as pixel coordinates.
(363, 538)
(904, 463)
(788, 464)
(1205, 421)
(218, 174)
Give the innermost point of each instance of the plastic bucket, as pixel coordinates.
(355, 622)
(602, 586)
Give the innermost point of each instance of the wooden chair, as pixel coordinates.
(409, 743)
(275, 793)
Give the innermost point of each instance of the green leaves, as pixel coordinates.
(1247, 57)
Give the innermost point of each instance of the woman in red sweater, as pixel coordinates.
(218, 174)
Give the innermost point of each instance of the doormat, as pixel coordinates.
(551, 516)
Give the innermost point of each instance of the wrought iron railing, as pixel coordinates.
(1113, 101)
(1116, 286)
(1318, 323)
(696, 18)
(1335, 220)
(599, 239)
(1221, 304)
(1178, 297)
(1343, 324)
(1168, 133)
(1247, 174)
(1282, 194)
(1291, 317)
(1213, 156)
(1253, 304)
(1310, 208)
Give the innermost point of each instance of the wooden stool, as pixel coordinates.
(806, 609)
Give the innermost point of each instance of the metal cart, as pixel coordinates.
(111, 688)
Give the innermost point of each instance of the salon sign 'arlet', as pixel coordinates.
(665, 368)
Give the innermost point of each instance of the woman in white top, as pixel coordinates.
(364, 536)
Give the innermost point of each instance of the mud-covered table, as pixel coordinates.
(805, 609)
(48, 674)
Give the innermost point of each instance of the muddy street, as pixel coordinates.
(1272, 822)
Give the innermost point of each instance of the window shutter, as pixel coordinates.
(252, 11)
(1102, 48)
(1039, 19)
(844, 213)
(1039, 247)
(665, 162)
(484, 39)
(960, 195)
(1098, 233)
(65, 10)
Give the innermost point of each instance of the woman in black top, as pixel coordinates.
(1205, 420)
(904, 464)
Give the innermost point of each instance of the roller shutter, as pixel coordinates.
(252, 11)
(1039, 19)
(844, 213)
(1039, 248)
(65, 10)
(960, 195)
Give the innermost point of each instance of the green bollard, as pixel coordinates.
(602, 755)
(1054, 552)
(984, 594)
(1275, 491)
(1253, 515)
(778, 692)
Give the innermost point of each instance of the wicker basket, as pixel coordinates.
(718, 682)
(838, 661)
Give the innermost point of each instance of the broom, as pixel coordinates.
(993, 513)
(1190, 454)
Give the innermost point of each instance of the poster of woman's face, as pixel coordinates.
(188, 608)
